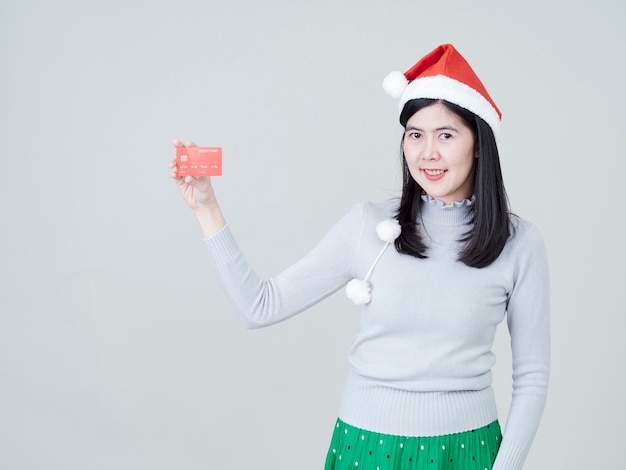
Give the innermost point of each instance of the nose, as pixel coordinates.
(429, 150)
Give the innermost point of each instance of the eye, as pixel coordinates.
(414, 135)
(445, 136)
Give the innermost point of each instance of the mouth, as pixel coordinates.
(434, 175)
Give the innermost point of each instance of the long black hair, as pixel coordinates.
(490, 219)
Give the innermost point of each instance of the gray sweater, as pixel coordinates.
(421, 362)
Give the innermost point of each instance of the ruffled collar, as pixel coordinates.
(457, 213)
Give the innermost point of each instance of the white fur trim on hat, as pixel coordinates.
(446, 88)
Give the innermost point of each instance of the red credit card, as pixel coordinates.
(198, 161)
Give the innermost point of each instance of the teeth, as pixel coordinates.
(434, 172)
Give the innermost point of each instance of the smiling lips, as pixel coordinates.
(434, 175)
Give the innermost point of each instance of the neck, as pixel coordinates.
(456, 213)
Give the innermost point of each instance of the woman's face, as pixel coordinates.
(440, 151)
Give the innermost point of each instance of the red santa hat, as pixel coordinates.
(445, 74)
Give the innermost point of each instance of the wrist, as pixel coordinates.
(210, 219)
(206, 208)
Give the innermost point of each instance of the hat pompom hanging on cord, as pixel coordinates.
(359, 290)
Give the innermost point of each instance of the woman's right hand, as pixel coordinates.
(198, 193)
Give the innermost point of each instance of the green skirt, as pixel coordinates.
(353, 448)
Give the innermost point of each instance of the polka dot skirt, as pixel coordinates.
(355, 449)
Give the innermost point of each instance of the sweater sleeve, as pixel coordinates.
(529, 326)
(317, 275)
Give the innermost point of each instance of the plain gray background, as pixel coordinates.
(117, 347)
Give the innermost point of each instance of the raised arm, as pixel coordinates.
(259, 302)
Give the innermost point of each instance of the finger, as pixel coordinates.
(177, 143)
(198, 182)
(190, 144)
(177, 177)
(172, 164)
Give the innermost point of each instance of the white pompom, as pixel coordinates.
(394, 84)
(388, 230)
(358, 291)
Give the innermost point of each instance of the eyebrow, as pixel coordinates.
(447, 127)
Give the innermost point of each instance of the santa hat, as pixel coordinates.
(445, 74)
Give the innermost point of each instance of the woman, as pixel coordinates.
(418, 394)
